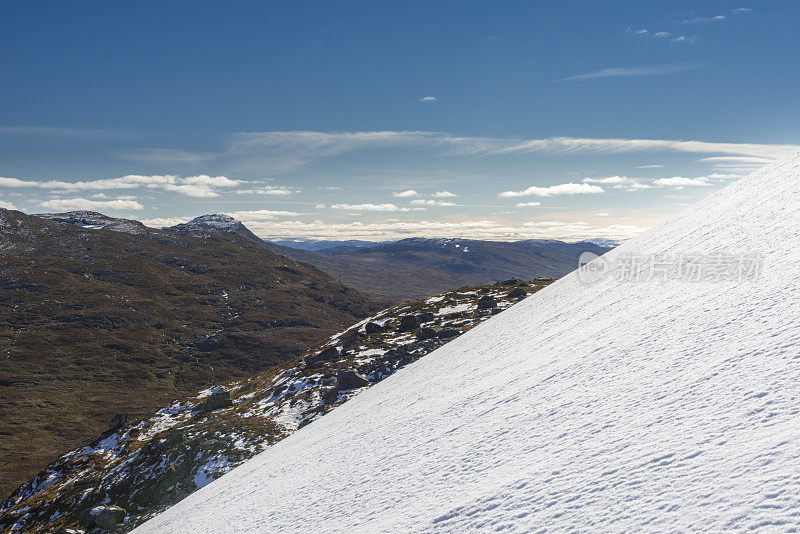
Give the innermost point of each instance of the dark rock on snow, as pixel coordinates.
(446, 333)
(408, 323)
(217, 400)
(486, 302)
(372, 328)
(426, 317)
(426, 332)
(349, 379)
(517, 293)
(328, 355)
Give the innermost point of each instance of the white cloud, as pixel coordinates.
(321, 206)
(741, 10)
(367, 207)
(662, 35)
(202, 186)
(7, 205)
(405, 194)
(444, 194)
(703, 20)
(269, 191)
(617, 72)
(649, 166)
(603, 214)
(428, 99)
(680, 181)
(67, 204)
(528, 204)
(423, 202)
(608, 180)
(554, 190)
(15, 182)
(261, 215)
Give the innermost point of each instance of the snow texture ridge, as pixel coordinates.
(617, 406)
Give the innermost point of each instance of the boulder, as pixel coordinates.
(517, 293)
(372, 328)
(486, 302)
(217, 400)
(426, 317)
(426, 332)
(495, 311)
(350, 379)
(109, 517)
(329, 396)
(408, 323)
(86, 519)
(447, 333)
(316, 360)
(118, 421)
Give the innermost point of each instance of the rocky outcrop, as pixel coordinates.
(217, 400)
(350, 379)
(408, 323)
(486, 302)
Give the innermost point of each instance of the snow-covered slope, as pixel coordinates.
(621, 405)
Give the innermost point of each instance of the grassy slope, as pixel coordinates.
(98, 322)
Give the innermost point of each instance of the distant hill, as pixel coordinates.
(325, 246)
(415, 267)
(103, 316)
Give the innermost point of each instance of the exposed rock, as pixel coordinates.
(316, 360)
(108, 517)
(330, 396)
(65, 530)
(217, 400)
(86, 519)
(426, 317)
(372, 328)
(350, 379)
(408, 323)
(426, 332)
(118, 421)
(495, 311)
(446, 333)
(517, 293)
(512, 282)
(486, 302)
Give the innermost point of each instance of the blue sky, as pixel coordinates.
(381, 120)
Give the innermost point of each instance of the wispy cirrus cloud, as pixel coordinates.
(627, 72)
(304, 147)
(164, 155)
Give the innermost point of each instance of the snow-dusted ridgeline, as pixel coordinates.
(649, 405)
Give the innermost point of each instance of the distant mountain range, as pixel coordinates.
(104, 316)
(325, 246)
(415, 267)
